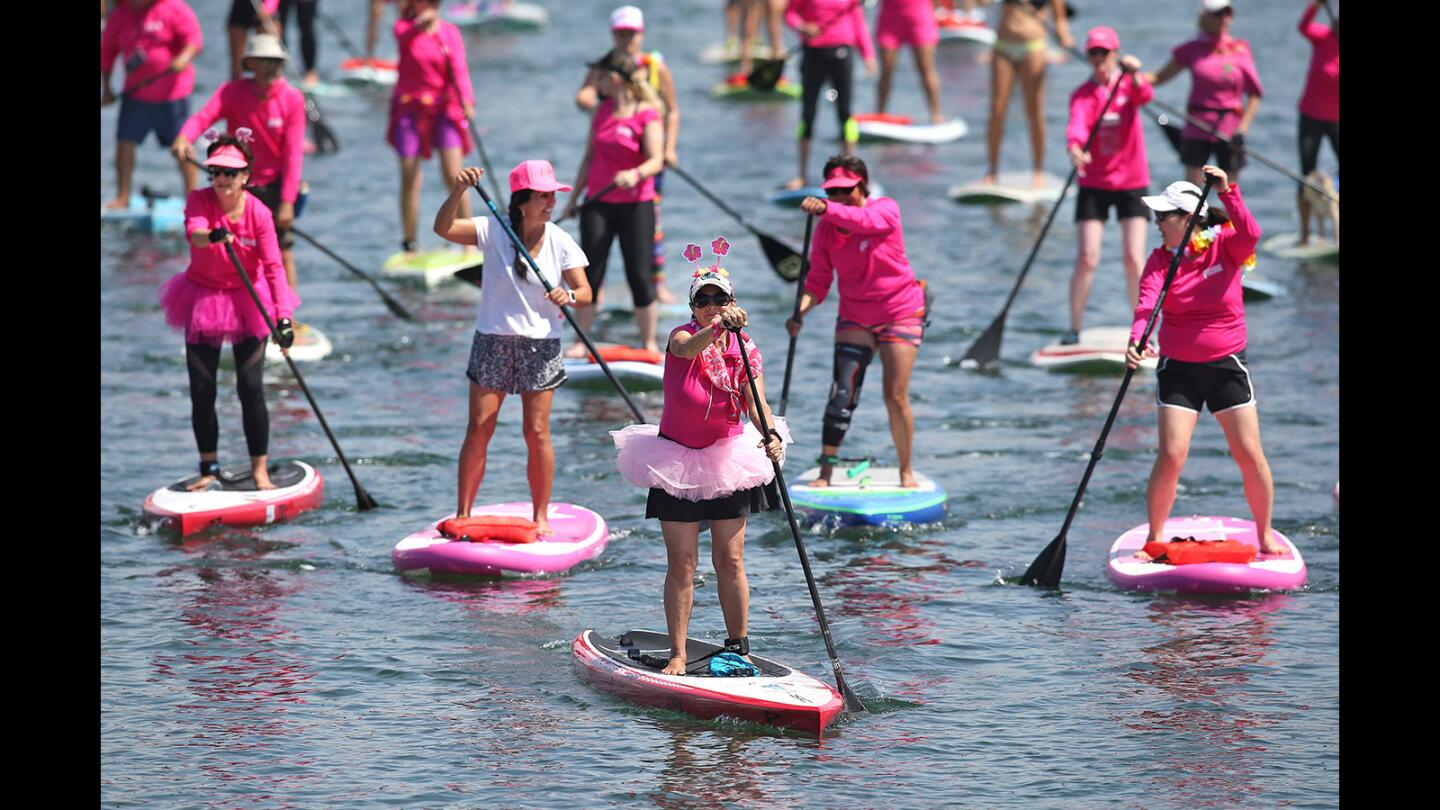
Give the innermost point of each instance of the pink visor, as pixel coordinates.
(536, 175)
(228, 157)
(841, 177)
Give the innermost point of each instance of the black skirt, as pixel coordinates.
(665, 506)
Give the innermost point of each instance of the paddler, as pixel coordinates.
(305, 11)
(627, 32)
(1113, 172)
(516, 348)
(372, 28)
(832, 31)
(275, 112)
(700, 463)
(158, 40)
(1020, 53)
(211, 305)
(883, 307)
(1202, 331)
(774, 11)
(430, 108)
(1319, 104)
(1225, 91)
(909, 22)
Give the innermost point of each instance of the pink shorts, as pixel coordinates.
(896, 27)
(407, 138)
(905, 330)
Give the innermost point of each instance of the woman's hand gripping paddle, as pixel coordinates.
(1046, 569)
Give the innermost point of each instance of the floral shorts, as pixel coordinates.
(515, 364)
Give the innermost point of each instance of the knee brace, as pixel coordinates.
(850, 364)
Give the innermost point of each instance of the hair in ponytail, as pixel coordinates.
(518, 199)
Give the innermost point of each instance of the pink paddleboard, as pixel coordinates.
(580, 535)
(1268, 572)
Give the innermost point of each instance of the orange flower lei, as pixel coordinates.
(1204, 238)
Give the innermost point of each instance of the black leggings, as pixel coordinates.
(203, 360)
(817, 66)
(1311, 131)
(634, 223)
(306, 14)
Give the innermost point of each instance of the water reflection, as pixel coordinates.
(511, 597)
(711, 769)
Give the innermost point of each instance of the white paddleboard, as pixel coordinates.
(729, 51)
(1259, 289)
(310, 345)
(964, 32)
(430, 268)
(901, 129)
(1010, 187)
(1285, 246)
(496, 14)
(1101, 349)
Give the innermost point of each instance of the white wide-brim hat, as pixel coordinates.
(264, 46)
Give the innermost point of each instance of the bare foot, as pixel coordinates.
(576, 352)
(1039, 179)
(907, 479)
(823, 480)
(542, 526)
(988, 180)
(262, 481)
(119, 203)
(795, 183)
(652, 347)
(937, 118)
(675, 667)
(1269, 545)
(204, 483)
(663, 295)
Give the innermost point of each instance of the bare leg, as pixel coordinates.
(585, 316)
(1242, 434)
(236, 39)
(799, 181)
(682, 548)
(1132, 247)
(540, 466)
(646, 320)
(1304, 218)
(727, 552)
(1176, 427)
(1087, 257)
(1032, 84)
(287, 257)
(887, 71)
(774, 10)
(124, 171)
(187, 175)
(409, 196)
(898, 359)
(450, 165)
(1002, 82)
(751, 16)
(479, 427)
(929, 80)
(260, 471)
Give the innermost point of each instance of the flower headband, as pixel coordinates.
(720, 247)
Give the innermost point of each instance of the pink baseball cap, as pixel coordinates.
(1102, 36)
(536, 175)
(228, 157)
(627, 18)
(841, 177)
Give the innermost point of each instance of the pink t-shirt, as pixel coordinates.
(1321, 99)
(278, 121)
(1117, 156)
(147, 42)
(842, 22)
(876, 283)
(697, 412)
(427, 62)
(907, 21)
(619, 145)
(255, 245)
(1203, 317)
(1222, 73)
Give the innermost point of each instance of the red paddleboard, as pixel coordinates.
(233, 500)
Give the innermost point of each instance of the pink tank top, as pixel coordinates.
(698, 412)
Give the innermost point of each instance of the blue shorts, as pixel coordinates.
(139, 118)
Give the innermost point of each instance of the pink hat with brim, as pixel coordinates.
(536, 175)
(627, 18)
(841, 177)
(1102, 36)
(228, 157)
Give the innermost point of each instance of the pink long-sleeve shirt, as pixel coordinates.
(278, 121)
(876, 283)
(1222, 73)
(427, 62)
(1321, 99)
(147, 41)
(1117, 156)
(1203, 317)
(255, 245)
(842, 22)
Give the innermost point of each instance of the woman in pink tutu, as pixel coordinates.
(209, 302)
(701, 463)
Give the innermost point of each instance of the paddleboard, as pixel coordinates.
(791, 197)
(499, 15)
(1010, 187)
(580, 535)
(310, 345)
(729, 51)
(1101, 349)
(1285, 246)
(903, 129)
(957, 28)
(233, 500)
(784, 91)
(1337, 496)
(324, 89)
(862, 494)
(631, 366)
(779, 696)
(359, 70)
(153, 215)
(1258, 289)
(432, 268)
(1267, 572)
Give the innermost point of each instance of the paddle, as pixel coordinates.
(852, 701)
(589, 201)
(325, 139)
(799, 292)
(985, 351)
(784, 260)
(521, 250)
(146, 82)
(766, 73)
(393, 305)
(363, 501)
(1046, 569)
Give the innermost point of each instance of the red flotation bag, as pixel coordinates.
(615, 354)
(1189, 551)
(884, 118)
(502, 528)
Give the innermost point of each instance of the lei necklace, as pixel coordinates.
(1203, 239)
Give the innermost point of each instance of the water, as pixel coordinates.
(291, 666)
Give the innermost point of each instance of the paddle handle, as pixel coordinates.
(521, 251)
(799, 294)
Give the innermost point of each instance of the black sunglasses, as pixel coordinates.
(1224, 12)
(216, 171)
(1161, 216)
(702, 300)
(1094, 52)
(840, 192)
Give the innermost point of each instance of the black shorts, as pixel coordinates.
(1312, 130)
(270, 195)
(242, 14)
(1219, 384)
(1195, 153)
(665, 506)
(1094, 203)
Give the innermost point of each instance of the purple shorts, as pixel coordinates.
(445, 136)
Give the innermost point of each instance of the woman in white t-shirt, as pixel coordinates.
(516, 349)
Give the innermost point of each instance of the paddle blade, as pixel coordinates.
(1045, 571)
(396, 308)
(766, 74)
(784, 259)
(985, 351)
(363, 501)
(1172, 132)
(473, 274)
(325, 139)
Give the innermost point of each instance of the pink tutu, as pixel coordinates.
(208, 315)
(725, 467)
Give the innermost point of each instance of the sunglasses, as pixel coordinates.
(1094, 52)
(1224, 12)
(1161, 216)
(216, 171)
(702, 300)
(834, 193)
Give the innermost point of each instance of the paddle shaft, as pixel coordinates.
(521, 250)
(145, 82)
(1099, 449)
(339, 33)
(799, 293)
(719, 203)
(363, 501)
(776, 252)
(589, 201)
(985, 351)
(852, 701)
(391, 303)
(470, 121)
(325, 140)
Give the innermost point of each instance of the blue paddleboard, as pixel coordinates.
(152, 216)
(790, 198)
(861, 494)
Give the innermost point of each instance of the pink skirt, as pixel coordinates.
(725, 467)
(208, 315)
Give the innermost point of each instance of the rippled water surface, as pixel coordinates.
(291, 666)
